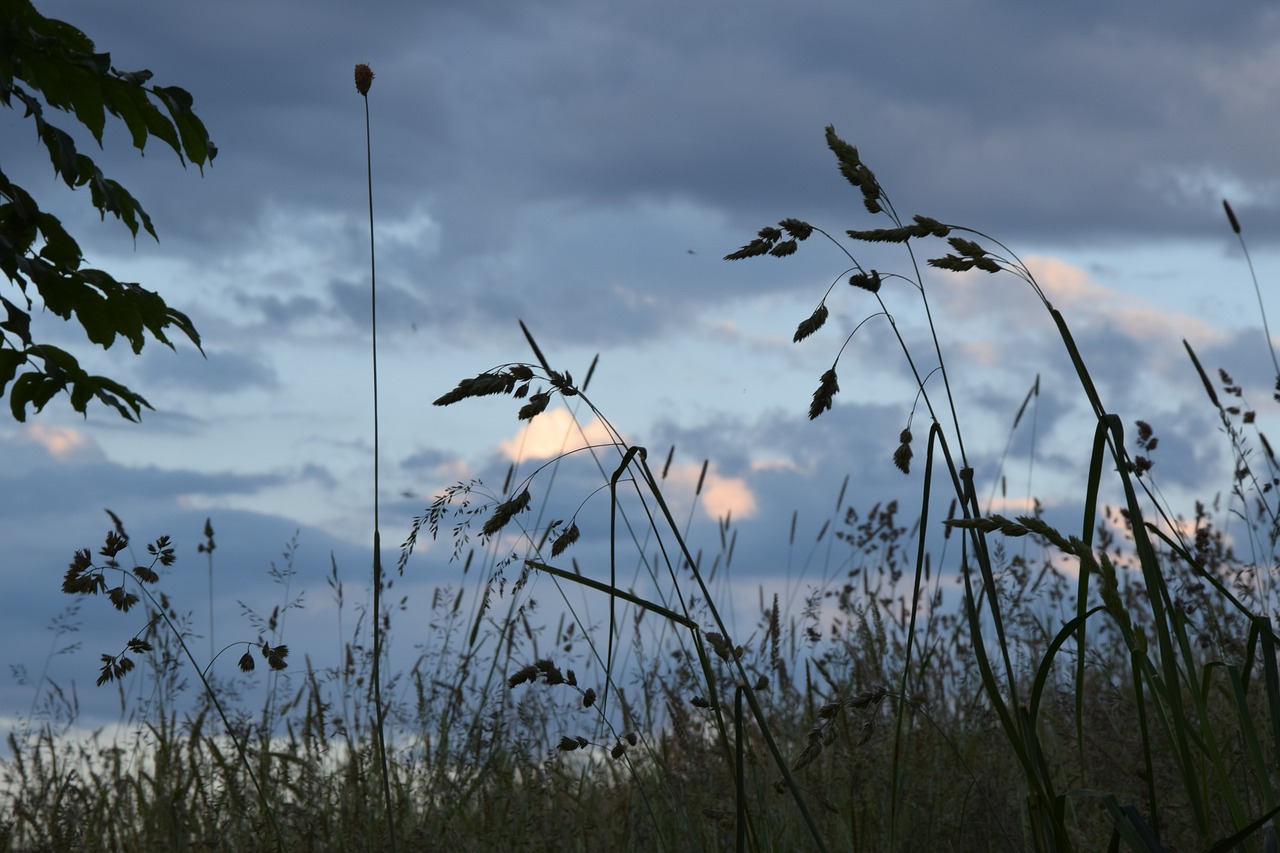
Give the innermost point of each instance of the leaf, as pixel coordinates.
(137, 78)
(30, 389)
(86, 98)
(62, 153)
(59, 371)
(19, 323)
(59, 248)
(125, 106)
(10, 361)
(51, 65)
(191, 131)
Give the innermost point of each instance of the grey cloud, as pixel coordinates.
(568, 157)
(501, 108)
(218, 371)
(281, 312)
(519, 131)
(427, 460)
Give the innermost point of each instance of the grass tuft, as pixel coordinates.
(990, 682)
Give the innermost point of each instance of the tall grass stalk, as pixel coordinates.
(1172, 689)
(1136, 705)
(633, 466)
(1257, 290)
(85, 578)
(364, 79)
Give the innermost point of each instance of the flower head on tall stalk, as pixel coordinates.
(364, 80)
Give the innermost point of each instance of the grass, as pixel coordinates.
(1005, 685)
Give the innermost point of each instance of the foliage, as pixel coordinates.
(1221, 791)
(84, 577)
(1133, 704)
(49, 63)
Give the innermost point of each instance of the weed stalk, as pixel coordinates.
(364, 79)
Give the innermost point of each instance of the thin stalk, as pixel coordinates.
(364, 78)
(1262, 311)
(241, 749)
(207, 547)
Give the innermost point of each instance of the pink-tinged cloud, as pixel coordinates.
(552, 433)
(1002, 298)
(720, 496)
(1068, 286)
(1010, 507)
(556, 432)
(62, 443)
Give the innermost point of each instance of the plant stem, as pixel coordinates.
(379, 709)
(1262, 311)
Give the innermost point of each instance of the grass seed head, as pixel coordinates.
(364, 78)
(827, 388)
(1231, 216)
(902, 456)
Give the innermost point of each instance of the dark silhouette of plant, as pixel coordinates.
(49, 63)
(364, 79)
(85, 577)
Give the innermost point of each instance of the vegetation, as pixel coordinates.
(916, 698)
(49, 63)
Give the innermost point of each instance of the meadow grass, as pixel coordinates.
(1006, 686)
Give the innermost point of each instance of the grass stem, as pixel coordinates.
(364, 77)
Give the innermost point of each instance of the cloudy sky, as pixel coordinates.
(584, 167)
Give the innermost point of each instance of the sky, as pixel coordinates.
(584, 167)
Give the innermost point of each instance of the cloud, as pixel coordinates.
(584, 167)
(1127, 342)
(218, 371)
(553, 433)
(720, 496)
(64, 444)
(430, 469)
(1069, 286)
